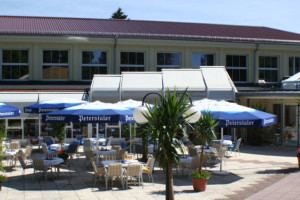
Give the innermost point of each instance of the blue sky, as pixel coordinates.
(277, 14)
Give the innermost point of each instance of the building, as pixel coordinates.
(43, 56)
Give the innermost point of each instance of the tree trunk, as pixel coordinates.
(169, 183)
(201, 158)
(145, 149)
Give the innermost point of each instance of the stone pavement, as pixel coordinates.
(255, 173)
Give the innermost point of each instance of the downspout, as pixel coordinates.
(115, 54)
(256, 78)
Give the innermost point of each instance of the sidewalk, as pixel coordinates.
(250, 172)
(287, 188)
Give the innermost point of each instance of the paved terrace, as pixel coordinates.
(255, 173)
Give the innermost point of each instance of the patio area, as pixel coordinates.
(251, 171)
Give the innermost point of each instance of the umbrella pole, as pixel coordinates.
(221, 172)
(130, 138)
(97, 144)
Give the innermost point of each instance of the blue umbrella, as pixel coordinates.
(52, 105)
(95, 112)
(9, 111)
(232, 115)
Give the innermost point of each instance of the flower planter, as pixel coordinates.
(199, 184)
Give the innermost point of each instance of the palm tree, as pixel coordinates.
(119, 14)
(166, 117)
(204, 130)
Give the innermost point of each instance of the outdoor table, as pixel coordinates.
(224, 143)
(52, 161)
(124, 163)
(10, 154)
(110, 152)
(57, 147)
(94, 141)
(208, 150)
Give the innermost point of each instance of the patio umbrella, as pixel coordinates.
(232, 115)
(95, 112)
(9, 111)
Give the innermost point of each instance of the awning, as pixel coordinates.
(207, 82)
(181, 79)
(105, 88)
(135, 85)
(291, 83)
(219, 85)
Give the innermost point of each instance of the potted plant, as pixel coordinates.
(204, 131)
(298, 156)
(3, 177)
(63, 154)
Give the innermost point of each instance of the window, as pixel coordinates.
(15, 64)
(199, 59)
(132, 61)
(55, 64)
(294, 65)
(168, 60)
(237, 67)
(93, 62)
(268, 68)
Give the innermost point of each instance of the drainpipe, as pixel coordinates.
(115, 54)
(254, 64)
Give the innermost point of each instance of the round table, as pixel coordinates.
(52, 161)
(57, 147)
(209, 150)
(111, 152)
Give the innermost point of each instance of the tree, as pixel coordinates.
(119, 14)
(166, 118)
(58, 130)
(204, 131)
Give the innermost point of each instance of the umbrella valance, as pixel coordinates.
(95, 112)
(52, 105)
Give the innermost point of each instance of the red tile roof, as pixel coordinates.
(53, 26)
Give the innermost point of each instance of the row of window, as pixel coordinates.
(15, 64)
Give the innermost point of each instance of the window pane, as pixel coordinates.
(86, 57)
(85, 73)
(274, 75)
(210, 60)
(102, 58)
(64, 72)
(132, 58)
(176, 59)
(63, 57)
(261, 62)
(16, 72)
(24, 72)
(95, 56)
(15, 56)
(236, 61)
(102, 70)
(236, 75)
(47, 72)
(47, 57)
(229, 61)
(124, 58)
(24, 56)
(6, 72)
(6, 56)
(243, 75)
(267, 62)
(140, 58)
(55, 57)
(273, 62)
(243, 61)
(160, 59)
(297, 64)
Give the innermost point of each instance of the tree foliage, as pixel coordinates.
(119, 14)
(204, 131)
(166, 118)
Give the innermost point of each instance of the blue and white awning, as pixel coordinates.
(234, 115)
(95, 112)
(52, 105)
(9, 111)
